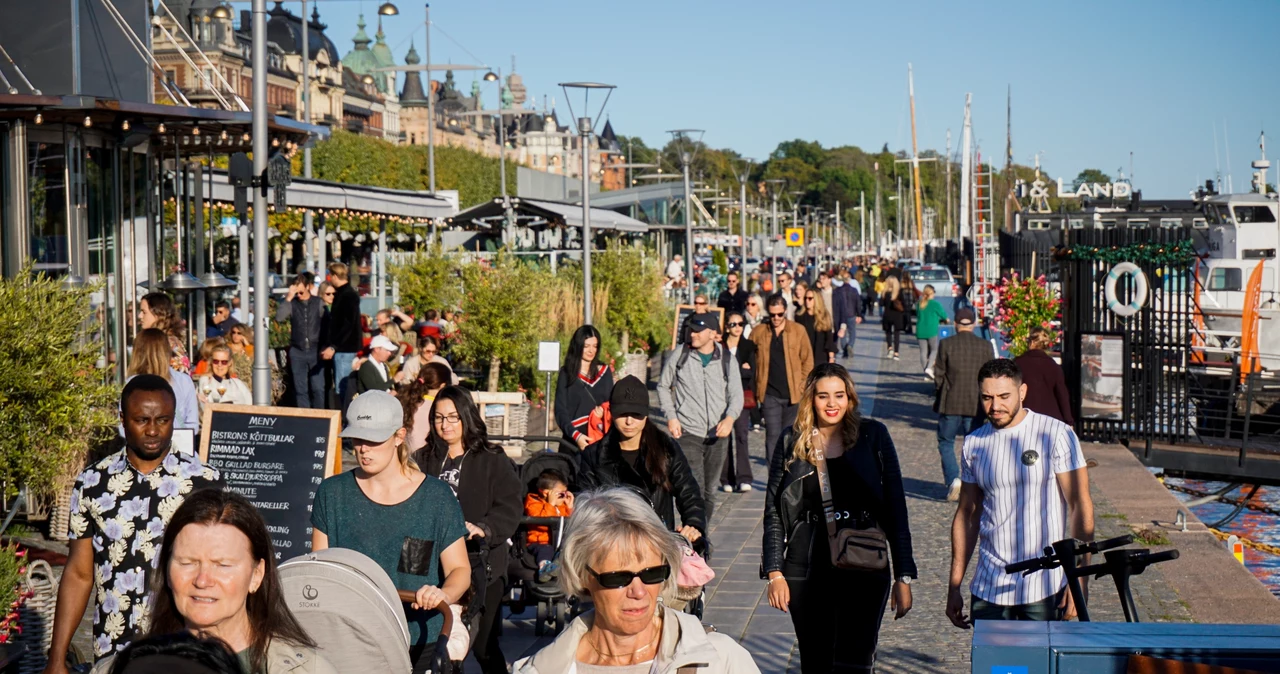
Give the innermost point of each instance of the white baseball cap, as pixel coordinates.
(383, 342)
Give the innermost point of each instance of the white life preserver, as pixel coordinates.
(1139, 289)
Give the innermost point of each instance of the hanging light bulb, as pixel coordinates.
(160, 129)
(195, 131)
(39, 119)
(245, 137)
(224, 135)
(124, 126)
(275, 142)
(88, 121)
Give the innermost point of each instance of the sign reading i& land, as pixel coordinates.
(276, 457)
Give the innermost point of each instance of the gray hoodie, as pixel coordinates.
(702, 396)
(684, 643)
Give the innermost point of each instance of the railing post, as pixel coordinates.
(1248, 415)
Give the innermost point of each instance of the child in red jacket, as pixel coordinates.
(552, 499)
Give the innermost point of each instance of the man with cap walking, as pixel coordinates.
(959, 359)
(700, 392)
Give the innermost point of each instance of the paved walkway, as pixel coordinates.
(924, 641)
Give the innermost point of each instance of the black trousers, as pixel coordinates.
(837, 616)
(485, 647)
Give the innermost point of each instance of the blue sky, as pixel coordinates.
(1091, 81)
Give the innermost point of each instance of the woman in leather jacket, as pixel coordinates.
(638, 454)
(836, 612)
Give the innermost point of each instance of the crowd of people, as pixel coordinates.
(175, 564)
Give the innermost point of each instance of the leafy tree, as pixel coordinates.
(429, 280)
(502, 314)
(1091, 175)
(54, 400)
(633, 282)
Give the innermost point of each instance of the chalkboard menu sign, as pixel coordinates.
(276, 458)
(683, 312)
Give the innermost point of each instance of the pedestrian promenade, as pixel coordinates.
(924, 641)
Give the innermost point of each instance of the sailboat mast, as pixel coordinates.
(915, 165)
(966, 171)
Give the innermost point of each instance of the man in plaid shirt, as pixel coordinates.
(960, 357)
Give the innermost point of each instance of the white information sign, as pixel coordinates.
(548, 356)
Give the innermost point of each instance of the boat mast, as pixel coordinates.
(915, 165)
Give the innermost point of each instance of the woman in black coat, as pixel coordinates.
(582, 387)
(638, 454)
(815, 318)
(737, 466)
(836, 612)
(458, 451)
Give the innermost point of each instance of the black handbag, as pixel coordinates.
(852, 547)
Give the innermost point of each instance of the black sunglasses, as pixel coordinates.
(616, 579)
(735, 324)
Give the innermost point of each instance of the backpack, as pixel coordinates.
(724, 359)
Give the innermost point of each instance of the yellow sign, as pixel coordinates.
(795, 237)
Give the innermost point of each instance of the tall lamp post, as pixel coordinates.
(261, 367)
(773, 235)
(742, 212)
(687, 145)
(501, 113)
(585, 125)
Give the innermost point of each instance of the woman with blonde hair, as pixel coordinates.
(834, 475)
(240, 339)
(815, 318)
(406, 521)
(929, 316)
(893, 312)
(152, 355)
(156, 310)
(222, 383)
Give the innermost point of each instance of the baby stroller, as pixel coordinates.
(690, 597)
(552, 607)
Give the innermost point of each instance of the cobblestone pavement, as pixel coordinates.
(922, 642)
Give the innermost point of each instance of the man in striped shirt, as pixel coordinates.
(1024, 486)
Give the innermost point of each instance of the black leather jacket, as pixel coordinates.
(603, 466)
(785, 499)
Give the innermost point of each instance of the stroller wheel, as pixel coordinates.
(540, 624)
(560, 616)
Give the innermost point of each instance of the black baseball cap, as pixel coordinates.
(700, 322)
(629, 397)
(965, 317)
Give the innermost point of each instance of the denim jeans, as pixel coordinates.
(850, 334)
(928, 351)
(706, 461)
(1043, 610)
(950, 426)
(779, 414)
(308, 378)
(342, 373)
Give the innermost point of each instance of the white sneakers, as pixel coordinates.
(953, 494)
(744, 487)
(928, 372)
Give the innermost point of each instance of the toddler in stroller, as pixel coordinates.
(551, 498)
(534, 546)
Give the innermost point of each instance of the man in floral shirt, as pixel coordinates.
(119, 510)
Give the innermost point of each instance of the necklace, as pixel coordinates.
(652, 641)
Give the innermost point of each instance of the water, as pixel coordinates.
(1256, 526)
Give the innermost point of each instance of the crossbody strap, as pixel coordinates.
(824, 486)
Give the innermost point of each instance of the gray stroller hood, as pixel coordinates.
(350, 607)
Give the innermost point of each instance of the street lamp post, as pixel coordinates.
(584, 146)
(773, 235)
(261, 367)
(687, 147)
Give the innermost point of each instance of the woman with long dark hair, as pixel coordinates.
(836, 611)
(737, 467)
(458, 451)
(637, 454)
(218, 545)
(582, 388)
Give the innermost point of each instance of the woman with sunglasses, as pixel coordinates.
(755, 314)
(815, 318)
(221, 384)
(327, 293)
(637, 454)
(484, 480)
(737, 467)
(240, 339)
(836, 611)
(619, 555)
(428, 352)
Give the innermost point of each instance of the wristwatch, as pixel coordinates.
(905, 580)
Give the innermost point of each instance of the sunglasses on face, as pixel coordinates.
(809, 298)
(735, 324)
(217, 361)
(701, 304)
(777, 315)
(613, 580)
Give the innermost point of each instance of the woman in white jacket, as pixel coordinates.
(617, 552)
(221, 384)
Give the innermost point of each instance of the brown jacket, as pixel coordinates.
(795, 341)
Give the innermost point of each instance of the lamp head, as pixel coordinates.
(490, 76)
(388, 9)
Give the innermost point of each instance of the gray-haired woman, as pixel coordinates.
(620, 555)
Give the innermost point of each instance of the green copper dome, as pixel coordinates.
(362, 61)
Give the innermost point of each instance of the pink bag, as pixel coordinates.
(694, 571)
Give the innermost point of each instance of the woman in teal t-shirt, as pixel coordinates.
(406, 521)
(929, 315)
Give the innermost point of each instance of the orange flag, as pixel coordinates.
(1249, 324)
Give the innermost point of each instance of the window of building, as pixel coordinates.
(1170, 223)
(1225, 279)
(1246, 214)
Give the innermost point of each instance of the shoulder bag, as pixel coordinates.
(864, 549)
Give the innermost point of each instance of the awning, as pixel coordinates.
(554, 213)
(326, 195)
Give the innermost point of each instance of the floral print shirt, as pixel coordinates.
(125, 512)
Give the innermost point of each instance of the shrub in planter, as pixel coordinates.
(55, 402)
(503, 314)
(1025, 303)
(12, 560)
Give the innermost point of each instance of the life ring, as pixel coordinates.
(1139, 289)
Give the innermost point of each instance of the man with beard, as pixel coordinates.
(1024, 487)
(119, 509)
